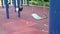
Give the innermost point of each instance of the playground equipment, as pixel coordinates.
(37, 17)
(54, 17)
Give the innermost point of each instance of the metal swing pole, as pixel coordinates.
(54, 17)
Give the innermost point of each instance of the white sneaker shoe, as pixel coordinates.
(17, 9)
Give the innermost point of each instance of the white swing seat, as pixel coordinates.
(37, 17)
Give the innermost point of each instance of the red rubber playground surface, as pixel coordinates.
(26, 24)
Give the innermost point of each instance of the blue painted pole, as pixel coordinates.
(7, 8)
(54, 17)
(19, 4)
(14, 2)
(2, 3)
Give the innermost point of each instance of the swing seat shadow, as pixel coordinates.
(26, 24)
